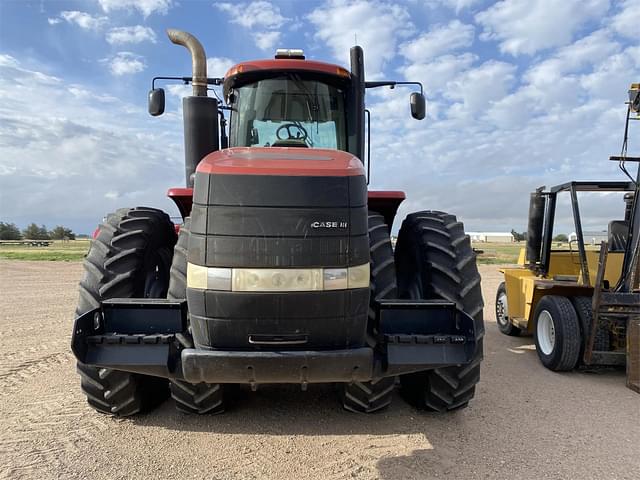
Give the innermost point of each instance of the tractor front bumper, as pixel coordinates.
(149, 336)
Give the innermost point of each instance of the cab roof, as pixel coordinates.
(256, 69)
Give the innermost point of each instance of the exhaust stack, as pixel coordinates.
(200, 112)
(198, 59)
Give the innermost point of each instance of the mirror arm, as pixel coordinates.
(186, 80)
(392, 84)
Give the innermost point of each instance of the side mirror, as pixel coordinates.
(418, 105)
(156, 102)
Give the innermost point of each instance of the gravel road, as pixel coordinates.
(525, 422)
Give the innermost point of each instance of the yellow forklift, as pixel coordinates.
(582, 305)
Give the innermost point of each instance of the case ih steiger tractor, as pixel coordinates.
(582, 305)
(283, 269)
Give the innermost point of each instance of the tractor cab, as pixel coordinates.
(287, 102)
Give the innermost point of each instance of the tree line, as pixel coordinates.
(522, 237)
(10, 231)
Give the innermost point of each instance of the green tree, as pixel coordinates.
(519, 237)
(561, 238)
(9, 231)
(62, 233)
(35, 232)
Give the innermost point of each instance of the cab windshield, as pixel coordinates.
(288, 111)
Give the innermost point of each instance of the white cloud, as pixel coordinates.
(267, 40)
(480, 86)
(591, 67)
(589, 50)
(439, 40)
(258, 14)
(145, 7)
(125, 63)
(73, 156)
(54, 21)
(378, 27)
(528, 26)
(456, 5)
(611, 78)
(134, 34)
(435, 75)
(82, 19)
(218, 66)
(627, 22)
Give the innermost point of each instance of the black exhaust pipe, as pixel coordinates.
(200, 132)
(534, 231)
(200, 112)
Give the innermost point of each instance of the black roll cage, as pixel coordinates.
(549, 217)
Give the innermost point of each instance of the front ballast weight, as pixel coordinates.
(147, 336)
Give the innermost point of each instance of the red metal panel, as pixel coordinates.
(287, 64)
(389, 194)
(386, 203)
(290, 161)
(183, 198)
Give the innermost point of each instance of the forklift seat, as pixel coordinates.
(618, 233)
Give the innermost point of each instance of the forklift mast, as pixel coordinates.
(630, 276)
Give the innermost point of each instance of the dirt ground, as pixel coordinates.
(525, 422)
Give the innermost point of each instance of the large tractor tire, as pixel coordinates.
(190, 398)
(369, 397)
(502, 313)
(557, 333)
(129, 258)
(434, 260)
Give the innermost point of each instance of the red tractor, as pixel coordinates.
(283, 269)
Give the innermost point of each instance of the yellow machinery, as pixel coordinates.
(581, 305)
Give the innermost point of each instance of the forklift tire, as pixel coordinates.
(190, 398)
(129, 258)
(373, 396)
(557, 333)
(502, 313)
(434, 260)
(585, 314)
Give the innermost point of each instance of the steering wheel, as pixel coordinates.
(299, 130)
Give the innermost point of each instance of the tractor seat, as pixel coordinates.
(618, 232)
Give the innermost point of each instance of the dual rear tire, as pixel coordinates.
(434, 260)
(129, 258)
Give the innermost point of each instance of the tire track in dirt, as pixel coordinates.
(43, 431)
(16, 375)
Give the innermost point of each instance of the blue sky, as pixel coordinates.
(521, 93)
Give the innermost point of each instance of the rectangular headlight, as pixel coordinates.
(277, 279)
(208, 278)
(335, 279)
(359, 276)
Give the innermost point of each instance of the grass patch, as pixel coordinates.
(498, 253)
(71, 251)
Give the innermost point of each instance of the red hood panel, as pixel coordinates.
(286, 161)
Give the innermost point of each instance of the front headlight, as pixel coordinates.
(277, 279)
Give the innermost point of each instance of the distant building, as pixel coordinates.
(494, 237)
(591, 238)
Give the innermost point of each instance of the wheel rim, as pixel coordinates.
(502, 309)
(546, 332)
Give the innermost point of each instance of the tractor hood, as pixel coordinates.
(281, 161)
